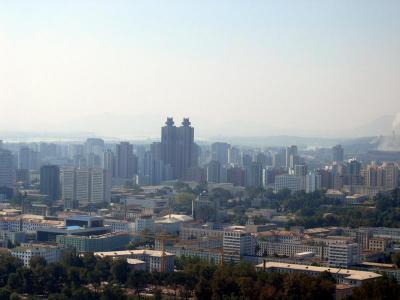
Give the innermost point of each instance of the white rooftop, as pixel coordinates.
(347, 273)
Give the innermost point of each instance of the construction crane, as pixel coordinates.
(161, 238)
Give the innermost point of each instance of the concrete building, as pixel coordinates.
(50, 182)
(27, 223)
(291, 182)
(28, 159)
(341, 275)
(84, 186)
(233, 156)
(171, 223)
(343, 255)
(219, 152)
(178, 150)
(94, 146)
(144, 223)
(292, 157)
(254, 175)
(214, 171)
(105, 242)
(337, 154)
(25, 252)
(313, 182)
(155, 260)
(7, 169)
(237, 243)
(126, 161)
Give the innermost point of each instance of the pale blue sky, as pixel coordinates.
(304, 65)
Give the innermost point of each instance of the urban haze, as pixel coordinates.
(200, 149)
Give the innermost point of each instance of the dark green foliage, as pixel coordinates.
(88, 277)
(382, 289)
(317, 211)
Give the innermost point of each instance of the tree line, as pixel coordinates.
(89, 277)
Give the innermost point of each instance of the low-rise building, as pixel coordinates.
(237, 242)
(342, 275)
(105, 242)
(25, 252)
(343, 255)
(155, 260)
(379, 244)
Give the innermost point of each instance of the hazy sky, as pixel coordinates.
(234, 67)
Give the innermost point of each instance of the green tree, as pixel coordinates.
(138, 280)
(120, 270)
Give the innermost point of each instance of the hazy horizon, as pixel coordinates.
(310, 68)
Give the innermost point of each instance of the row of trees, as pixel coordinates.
(385, 213)
(89, 277)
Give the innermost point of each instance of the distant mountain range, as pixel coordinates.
(147, 129)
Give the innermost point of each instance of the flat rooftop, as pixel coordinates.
(346, 273)
(126, 253)
(84, 218)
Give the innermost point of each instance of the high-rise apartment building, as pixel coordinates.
(254, 175)
(186, 148)
(219, 152)
(28, 159)
(84, 186)
(109, 162)
(233, 156)
(279, 159)
(178, 148)
(126, 161)
(391, 175)
(385, 176)
(300, 170)
(337, 154)
(235, 175)
(312, 182)
(237, 242)
(354, 172)
(291, 156)
(7, 169)
(214, 172)
(50, 182)
(94, 146)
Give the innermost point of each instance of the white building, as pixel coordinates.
(351, 277)
(27, 223)
(343, 255)
(153, 258)
(144, 223)
(291, 182)
(237, 242)
(50, 253)
(313, 182)
(172, 223)
(120, 225)
(83, 186)
(68, 187)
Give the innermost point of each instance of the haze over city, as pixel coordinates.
(236, 68)
(198, 149)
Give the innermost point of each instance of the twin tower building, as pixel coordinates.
(178, 150)
(174, 157)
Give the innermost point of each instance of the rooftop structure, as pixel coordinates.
(155, 260)
(352, 277)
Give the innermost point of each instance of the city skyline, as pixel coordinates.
(200, 149)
